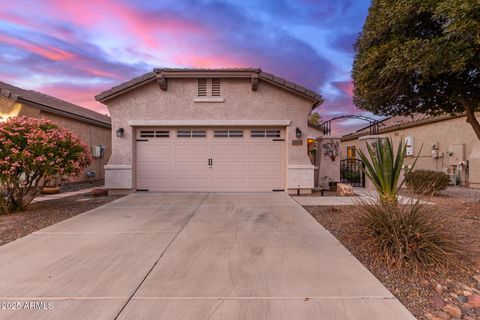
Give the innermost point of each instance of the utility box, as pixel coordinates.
(98, 151)
(456, 154)
(409, 146)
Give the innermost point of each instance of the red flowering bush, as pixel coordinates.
(32, 151)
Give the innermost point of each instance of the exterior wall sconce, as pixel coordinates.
(298, 133)
(119, 132)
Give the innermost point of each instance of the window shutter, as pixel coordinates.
(202, 87)
(215, 87)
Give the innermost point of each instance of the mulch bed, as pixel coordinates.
(43, 214)
(423, 293)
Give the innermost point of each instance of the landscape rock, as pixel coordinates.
(468, 318)
(474, 301)
(442, 315)
(430, 316)
(344, 190)
(437, 301)
(99, 192)
(438, 288)
(453, 311)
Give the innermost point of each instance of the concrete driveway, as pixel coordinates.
(190, 256)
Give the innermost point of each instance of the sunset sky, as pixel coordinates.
(76, 49)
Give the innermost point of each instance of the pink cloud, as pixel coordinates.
(79, 95)
(138, 24)
(346, 87)
(50, 53)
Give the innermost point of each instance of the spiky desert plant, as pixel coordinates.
(383, 168)
(406, 236)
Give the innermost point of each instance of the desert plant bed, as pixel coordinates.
(43, 214)
(428, 294)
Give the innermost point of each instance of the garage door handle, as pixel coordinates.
(210, 162)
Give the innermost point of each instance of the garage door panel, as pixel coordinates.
(265, 149)
(229, 183)
(265, 183)
(151, 149)
(191, 166)
(235, 149)
(239, 164)
(266, 166)
(157, 183)
(192, 183)
(236, 166)
(148, 166)
(192, 150)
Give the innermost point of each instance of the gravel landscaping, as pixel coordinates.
(43, 214)
(437, 294)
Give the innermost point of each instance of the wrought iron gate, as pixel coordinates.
(351, 172)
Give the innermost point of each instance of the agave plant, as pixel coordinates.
(383, 168)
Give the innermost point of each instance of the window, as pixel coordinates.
(351, 152)
(191, 133)
(228, 133)
(154, 134)
(215, 87)
(270, 133)
(202, 87)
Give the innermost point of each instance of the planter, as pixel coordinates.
(332, 186)
(51, 190)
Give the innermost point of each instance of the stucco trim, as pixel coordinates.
(301, 166)
(118, 167)
(209, 99)
(209, 123)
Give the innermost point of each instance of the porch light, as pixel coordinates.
(298, 133)
(120, 132)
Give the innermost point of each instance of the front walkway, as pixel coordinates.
(360, 194)
(191, 256)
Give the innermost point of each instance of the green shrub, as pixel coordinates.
(408, 237)
(426, 182)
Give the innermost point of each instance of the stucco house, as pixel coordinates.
(449, 144)
(92, 127)
(199, 130)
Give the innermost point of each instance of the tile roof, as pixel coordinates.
(53, 104)
(398, 122)
(105, 95)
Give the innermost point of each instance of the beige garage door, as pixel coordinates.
(210, 159)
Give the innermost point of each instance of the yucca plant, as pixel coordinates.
(383, 168)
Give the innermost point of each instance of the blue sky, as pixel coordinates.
(75, 49)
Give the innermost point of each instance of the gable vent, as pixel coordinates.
(215, 87)
(202, 87)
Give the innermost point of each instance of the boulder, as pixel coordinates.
(99, 192)
(344, 190)
(474, 300)
(453, 311)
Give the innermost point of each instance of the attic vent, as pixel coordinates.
(202, 87)
(215, 87)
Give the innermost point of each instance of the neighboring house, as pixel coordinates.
(448, 142)
(209, 130)
(92, 127)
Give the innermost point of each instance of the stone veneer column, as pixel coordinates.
(474, 166)
(328, 168)
(363, 147)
